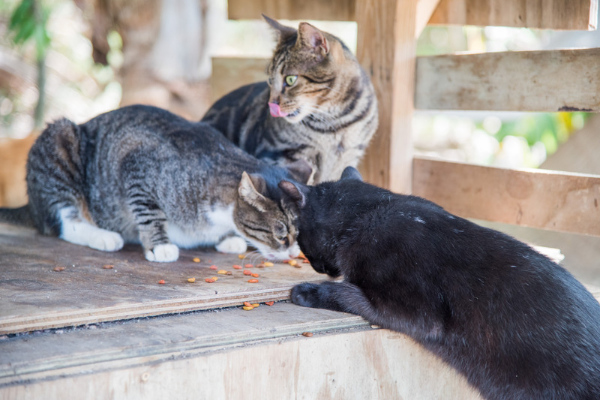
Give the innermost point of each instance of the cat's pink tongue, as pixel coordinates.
(276, 111)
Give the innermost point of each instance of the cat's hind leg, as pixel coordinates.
(78, 230)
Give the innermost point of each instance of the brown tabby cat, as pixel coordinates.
(318, 105)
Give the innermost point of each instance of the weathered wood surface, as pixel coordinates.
(557, 80)
(535, 198)
(232, 354)
(386, 49)
(543, 14)
(34, 296)
(325, 10)
(229, 73)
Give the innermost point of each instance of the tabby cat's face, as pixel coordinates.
(306, 71)
(266, 224)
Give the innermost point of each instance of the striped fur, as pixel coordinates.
(141, 174)
(331, 109)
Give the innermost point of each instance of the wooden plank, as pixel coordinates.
(534, 198)
(325, 10)
(543, 14)
(36, 297)
(386, 49)
(425, 9)
(557, 80)
(231, 354)
(229, 73)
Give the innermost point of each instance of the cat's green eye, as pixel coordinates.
(291, 79)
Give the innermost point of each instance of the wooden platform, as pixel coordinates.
(34, 296)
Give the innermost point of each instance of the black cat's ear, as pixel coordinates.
(250, 189)
(293, 193)
(300, 170)
(283, 32)
(351, 173)
(312, 38)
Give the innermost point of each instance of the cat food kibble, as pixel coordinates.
(248, 308)
(293, 263)
(246, 272)
(162, 281)
(253, 280)
(247, 304)
(269, 303)
(195, 259)
(58, 269)
(241, 256)
(108, 266)
(307, 334)
(192, 280)
(254, 275)
(212, 279)
(237, 267)
(260, 265)
(248, 266)
(228, 273)
(214, 267)
(255, 305)
(222, 272)
(268, 264)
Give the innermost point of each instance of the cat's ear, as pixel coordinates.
(312, 38)
(283, 32)
(300, 170)
(293, 193)
(351, 173)
(250, 189)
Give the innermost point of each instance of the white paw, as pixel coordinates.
(163, 253)
(104, 240)
(233, 244)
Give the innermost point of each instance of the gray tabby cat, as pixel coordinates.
(142, 174)
(318, 105)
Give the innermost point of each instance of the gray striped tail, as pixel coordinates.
(17, 216)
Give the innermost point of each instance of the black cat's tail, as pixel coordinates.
(17, 216)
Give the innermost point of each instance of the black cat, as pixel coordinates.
(516, 324)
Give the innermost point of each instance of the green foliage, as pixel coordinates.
(28, 21)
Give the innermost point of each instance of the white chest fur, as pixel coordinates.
(220, 223)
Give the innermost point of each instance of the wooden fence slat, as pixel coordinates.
(543, 14)
(556, 80)
(534, 198)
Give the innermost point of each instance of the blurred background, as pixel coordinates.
(79, 58)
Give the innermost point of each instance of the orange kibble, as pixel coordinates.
(192, 280)
(270, 303)
(301, 255)
(268, 264)
(260, 265)
(210, 280)
(214, 267)
(247, 304)
(58, 269)
(108, 266)
(222, 272)
(162, 281)
(253, 280)
(285, 261)
(248, 266)
(228, 273)
(307, 334)
(305, 261)
(248, 308)
(195, 259)
(241, 256)
(237, 267)
(254, 275)
(255, 305)
(246, 272)
(293, 263)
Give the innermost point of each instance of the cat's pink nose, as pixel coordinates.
(276, 111)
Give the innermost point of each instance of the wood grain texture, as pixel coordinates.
(386, 49)
(543, 14)
(229, 73)
(34, 296)
(534, 198)
(325, 10)
(425, 9)
(557, 80)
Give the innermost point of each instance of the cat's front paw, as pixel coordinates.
(233, 245)
(163, 253)
(104, 240)
(306, 294)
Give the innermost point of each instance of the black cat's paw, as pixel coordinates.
(306, 295)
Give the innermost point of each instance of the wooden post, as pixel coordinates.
(386, 49)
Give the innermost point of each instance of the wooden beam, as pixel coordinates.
(329, 10)
(425, 9)
(534, 198)
(229, 73)
(543, 14)
(557, 80)
(386, 49)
